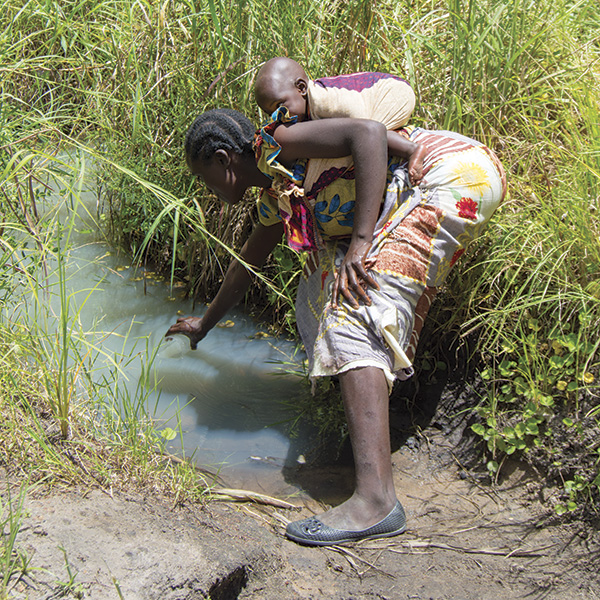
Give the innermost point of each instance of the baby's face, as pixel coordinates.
(290, 97)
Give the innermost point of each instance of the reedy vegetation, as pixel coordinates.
(127, 77)
(62, 424)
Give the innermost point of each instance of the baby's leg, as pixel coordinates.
(415, 164)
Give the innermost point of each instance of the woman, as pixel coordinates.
(377, 249)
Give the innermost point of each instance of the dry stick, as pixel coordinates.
(351, 557)
(476, 483)
(256, 515)
(248, 496)
(202, 470)
(28, 137)
(475, 505)
(26, 219)
(282, 519)
(14, 210)
(222, 74)
(416, 544)
(31, 193)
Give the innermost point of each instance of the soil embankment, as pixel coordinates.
(465, 540)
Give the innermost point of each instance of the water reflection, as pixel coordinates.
(231, 395)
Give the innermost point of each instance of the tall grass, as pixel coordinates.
(60, 422)
(520, 76)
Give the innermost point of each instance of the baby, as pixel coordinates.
(381, 97)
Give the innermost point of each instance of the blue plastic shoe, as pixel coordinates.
(313, 532)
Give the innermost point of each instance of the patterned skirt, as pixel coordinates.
(421, 233)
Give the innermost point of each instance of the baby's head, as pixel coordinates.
(282, 81)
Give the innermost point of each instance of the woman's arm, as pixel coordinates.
(366, 142)
(237, 279)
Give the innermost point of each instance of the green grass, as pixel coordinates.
(128, 78)
(67, 416)
(13, 561)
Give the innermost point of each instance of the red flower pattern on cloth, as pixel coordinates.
(467, 208)
(299, 223)
(456, 256)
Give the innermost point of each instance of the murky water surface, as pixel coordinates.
(231, 395)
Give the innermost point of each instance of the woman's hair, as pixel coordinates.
(219, 129)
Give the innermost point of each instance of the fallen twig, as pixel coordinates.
(351, 557)
(201, 470)
(248, 496)
(402, 547)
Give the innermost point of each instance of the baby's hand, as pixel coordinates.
(415, 174)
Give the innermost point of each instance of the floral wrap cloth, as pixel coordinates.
(420, 234)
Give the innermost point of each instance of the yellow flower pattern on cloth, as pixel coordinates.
(472, 175)
(285, 199)
(324, 210)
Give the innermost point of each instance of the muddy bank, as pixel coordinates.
(467, 538)
(464, 540)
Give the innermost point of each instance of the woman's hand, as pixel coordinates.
(366, 141)
(190, 326)
(352, 276)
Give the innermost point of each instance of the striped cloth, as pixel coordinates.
(421, 233)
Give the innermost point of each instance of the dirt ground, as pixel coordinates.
(465, 540)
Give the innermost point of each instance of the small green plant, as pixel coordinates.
(13, 561)
(69, 586)
(533, 384)
(524, 82)
(281, 295)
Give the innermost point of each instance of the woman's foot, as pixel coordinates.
(357, 513)
(373, 510)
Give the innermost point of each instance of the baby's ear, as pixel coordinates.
(301, 85)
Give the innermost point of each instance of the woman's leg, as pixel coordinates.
(366, 401)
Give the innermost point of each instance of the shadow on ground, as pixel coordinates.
(437, 396)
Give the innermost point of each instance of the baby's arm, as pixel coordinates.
(398, 145)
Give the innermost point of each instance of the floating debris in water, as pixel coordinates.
(226, 324)
(267, 460)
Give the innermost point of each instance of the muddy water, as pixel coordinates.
(228, 401)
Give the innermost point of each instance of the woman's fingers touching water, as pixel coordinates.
(190, 327)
